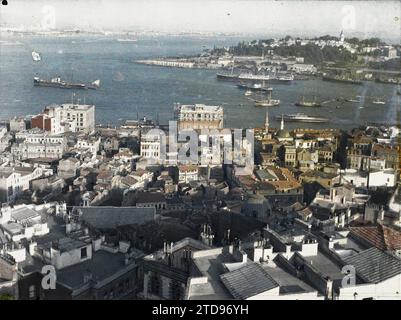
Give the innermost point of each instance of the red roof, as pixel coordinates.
(382, 237)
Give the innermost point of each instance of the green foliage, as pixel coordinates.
(5, 296)
(371, 42)
(311, 52)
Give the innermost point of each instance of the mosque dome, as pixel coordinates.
(283, 134)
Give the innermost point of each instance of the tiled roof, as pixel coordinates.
(248, 281)
(297, 206)
(24, 213)
(374, 265)
(129, 180)
(381, 237)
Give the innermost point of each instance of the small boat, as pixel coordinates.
(389, 80)
(254, 86)
(301, 117)
(248, 93)
(36, 56)
(357, 99)
(378, 101)
(267, 103)
(94, 85)
(303, 103)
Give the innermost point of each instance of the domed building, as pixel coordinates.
(282, 134)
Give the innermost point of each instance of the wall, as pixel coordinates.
(69, 258)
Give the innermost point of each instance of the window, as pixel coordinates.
(31, 292)
(84, 253)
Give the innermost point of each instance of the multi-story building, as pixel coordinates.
(199, 116)
(290, 157)
(389, 153)
(66, 117)
(17, 124)
(36, 143)
(14, 180)
(68, 168)
(88, 143)
(187, 173)
(151, 145)
(39, 136)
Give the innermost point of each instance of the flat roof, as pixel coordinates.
(199, 107)
(102, 266)
(287, 282)
(112, 217)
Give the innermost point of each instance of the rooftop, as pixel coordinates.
(374, 265)
(102, 266)
(380, 236)
(248, 281)
(24, 213)
(150, 197)
(287, 282)
(199, 108)
(112, 217)
(67, 244)
(83, 107)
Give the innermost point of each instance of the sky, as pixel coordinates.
(298, 18)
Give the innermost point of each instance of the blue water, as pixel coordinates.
(128, 88)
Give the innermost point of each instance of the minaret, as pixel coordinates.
(267, 122)
(282, 123)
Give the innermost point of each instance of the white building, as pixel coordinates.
(39, 136)
(14, 180)
(303, 68)
(199, 116)
(17, 124)
(22, 221)
(36, 143)
(88, 143)
(187, 173)
(78, 117)
(152, 145)
(377, 178)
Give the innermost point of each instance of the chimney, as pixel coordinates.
(381, 215)
(329, 289)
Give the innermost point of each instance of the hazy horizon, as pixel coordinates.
(297, 18)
